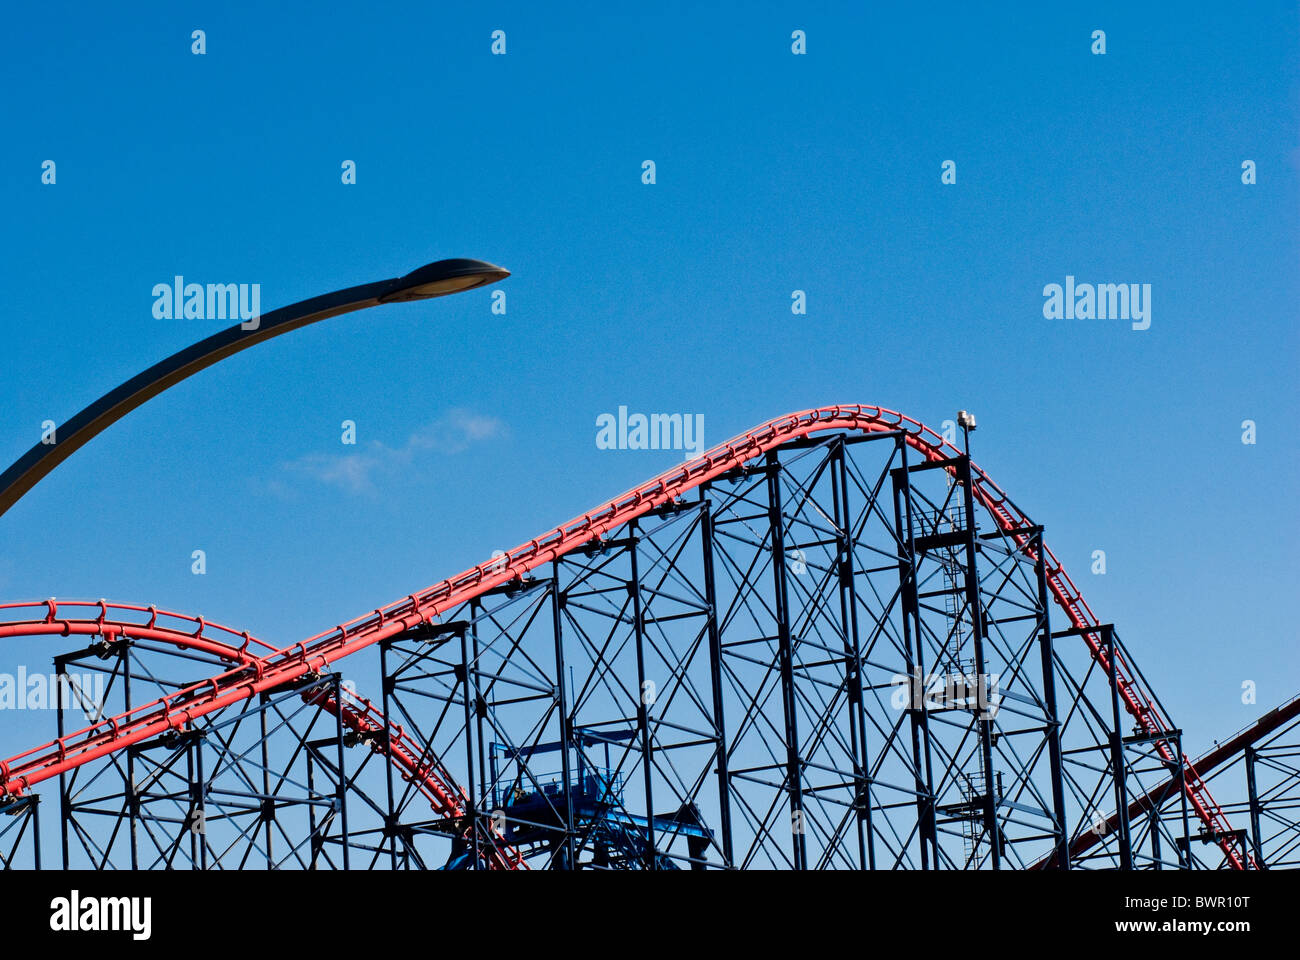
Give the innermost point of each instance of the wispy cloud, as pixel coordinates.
(455, 431)
(359, 472)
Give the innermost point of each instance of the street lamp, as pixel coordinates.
(432, 280)
(441, 278)
(966, 421)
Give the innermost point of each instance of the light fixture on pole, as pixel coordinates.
(966, 420)
(432, 280)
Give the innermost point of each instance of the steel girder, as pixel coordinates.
(832, 656)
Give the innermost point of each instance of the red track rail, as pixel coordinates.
(1203, 766)
(99, 618)
(112, 621)
(315, 653)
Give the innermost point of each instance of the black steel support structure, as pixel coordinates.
(833, 657)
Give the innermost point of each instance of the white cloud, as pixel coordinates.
(358, 472)
(455, 431)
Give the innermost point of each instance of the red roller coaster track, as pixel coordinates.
(112, 621)
(254, 674)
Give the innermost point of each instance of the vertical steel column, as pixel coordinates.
(268, 804)
(1117, 751)
(1053, 727)
(914, 653)
(1185, 852)
(65, 802)
(198, 795)
(566, 722)
(471, 803)
(793, 772)
(316, 843)
(480, 705)
(36, 829)
(132, 798)
(852, 654)
(390, 815)
(343, 773)
(1155, 837)
(715, 676)
(984, 723)
(1255, 808)
(642, 709)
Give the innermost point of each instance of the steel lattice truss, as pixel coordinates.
(1272, 772)
(1261, 766)
(830, 643)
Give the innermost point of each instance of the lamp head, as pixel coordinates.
(441, 278)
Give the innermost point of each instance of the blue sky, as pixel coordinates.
(774, 173)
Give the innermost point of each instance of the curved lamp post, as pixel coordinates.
(432, 280)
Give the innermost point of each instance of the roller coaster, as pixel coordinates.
(830, 642)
